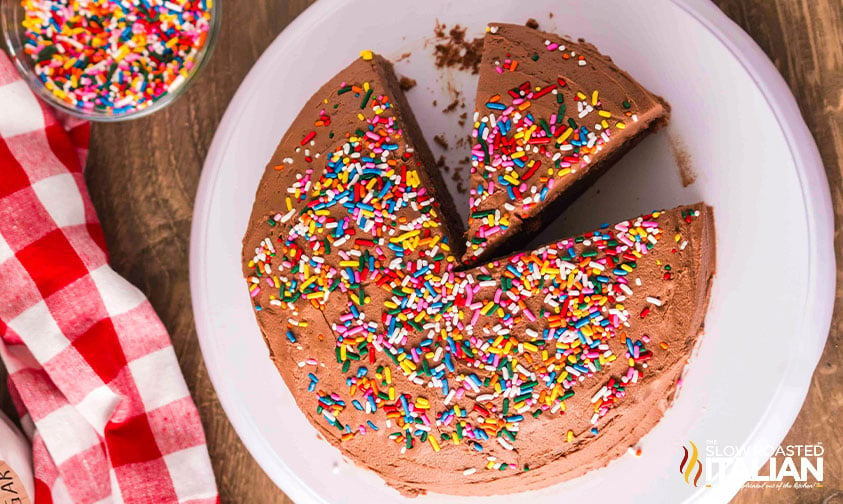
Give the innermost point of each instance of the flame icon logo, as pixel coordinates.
(689, 461)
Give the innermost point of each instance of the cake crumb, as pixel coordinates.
(452, 106)
(406, 83)
(404, 56)
(440, 141)
(532, 23)
(457, 173)
(453, 50)
(457, 98)
(441, 164)
(683, 161)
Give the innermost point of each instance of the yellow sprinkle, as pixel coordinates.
(564, 136)
(408, 366)
(367, 54)
(594, 97)
(604, 113)
(408, 234)
(570, 436)
(122, 52)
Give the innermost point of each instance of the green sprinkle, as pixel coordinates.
(366, 99)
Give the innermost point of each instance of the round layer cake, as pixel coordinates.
(500, 376)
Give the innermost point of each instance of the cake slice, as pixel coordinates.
(551, 116)
(351, 189)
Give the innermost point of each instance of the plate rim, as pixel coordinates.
(816, 198)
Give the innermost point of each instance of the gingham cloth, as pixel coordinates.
(91, 368)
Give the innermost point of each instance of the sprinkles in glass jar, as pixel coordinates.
(114, 56)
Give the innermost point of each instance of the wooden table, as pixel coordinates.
(142, 176)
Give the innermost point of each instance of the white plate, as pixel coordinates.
(756, 164)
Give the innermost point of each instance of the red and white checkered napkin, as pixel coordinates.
(91, 368)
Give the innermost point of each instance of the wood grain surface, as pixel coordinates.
(143, 175)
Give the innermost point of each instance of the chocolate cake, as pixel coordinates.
(551, 116)
(510, 375)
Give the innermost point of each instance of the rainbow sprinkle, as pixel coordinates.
(111, 56)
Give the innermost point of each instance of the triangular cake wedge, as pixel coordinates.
(348, 184)
(551, 116)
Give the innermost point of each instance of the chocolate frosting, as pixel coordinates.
(513, 375)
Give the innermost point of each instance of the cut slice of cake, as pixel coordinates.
(348, 191)
(551, 116)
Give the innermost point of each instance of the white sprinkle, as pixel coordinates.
(505, 444)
